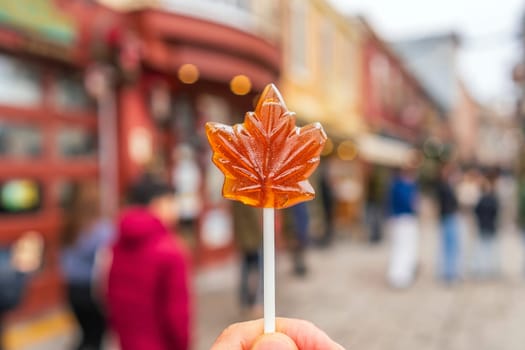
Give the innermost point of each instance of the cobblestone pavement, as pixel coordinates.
(346, 294)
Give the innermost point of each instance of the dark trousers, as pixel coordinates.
(89, 317)
(374, 218)
(250, 278)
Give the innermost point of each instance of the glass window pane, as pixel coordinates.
(20, 83)
(69, 93)
(298, 30)
(21, 141)
(77, 142)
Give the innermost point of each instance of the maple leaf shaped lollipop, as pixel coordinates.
(267, 160)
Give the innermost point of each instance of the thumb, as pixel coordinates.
(274, 341)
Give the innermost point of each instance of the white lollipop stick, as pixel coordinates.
(269, 269)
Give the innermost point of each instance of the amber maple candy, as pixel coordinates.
(267, 160)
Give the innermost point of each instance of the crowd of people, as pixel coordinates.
(469, 205)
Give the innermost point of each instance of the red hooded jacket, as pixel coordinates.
(148, 285)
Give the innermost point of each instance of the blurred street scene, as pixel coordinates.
(113, 229)
(354, 304)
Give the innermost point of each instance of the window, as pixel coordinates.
(298, 30)
(20, 83)
(76, 142)
(348, 67)
(20, 141)
(380, 72)
(20, 196)
(69, 93)
(327, 49)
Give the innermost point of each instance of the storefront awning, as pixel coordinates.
(40, 17)
(384, 151)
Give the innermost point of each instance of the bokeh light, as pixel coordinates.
(240, 85)
(188, 73)
(347, 150)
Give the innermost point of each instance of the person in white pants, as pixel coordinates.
(403, 229)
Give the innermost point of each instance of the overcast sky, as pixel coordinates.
(489, 28)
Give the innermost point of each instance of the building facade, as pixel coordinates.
(321, 81)
(201, 61)
(433, 60)
(93, 91)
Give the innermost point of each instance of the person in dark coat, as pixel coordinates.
(487, 264)
(148, 290)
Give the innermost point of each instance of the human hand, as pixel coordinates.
(291, 334)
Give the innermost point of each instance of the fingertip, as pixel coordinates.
(274, 341)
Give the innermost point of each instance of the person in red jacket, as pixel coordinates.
(148, 283)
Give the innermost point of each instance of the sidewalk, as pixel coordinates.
(51, 331)
(346, 295)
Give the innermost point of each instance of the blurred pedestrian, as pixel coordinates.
(506, 191)
(468, 192)
(295, 226)
(248, 238)
(521, 214)
(448, 213)
(85, 232)
(487, 257)
(327, 198)
(17, 263)
(404, 232)
(148, 292)
(376, 188)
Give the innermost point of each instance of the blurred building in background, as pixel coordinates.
(337, 70)
(400, 114)
(109, 91)
(434, 61)
(321, 79)
(397, 107)
(48, 124)
(499, 140)
(199, 61)
(475, 134)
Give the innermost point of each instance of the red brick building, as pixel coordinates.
(395, 103)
